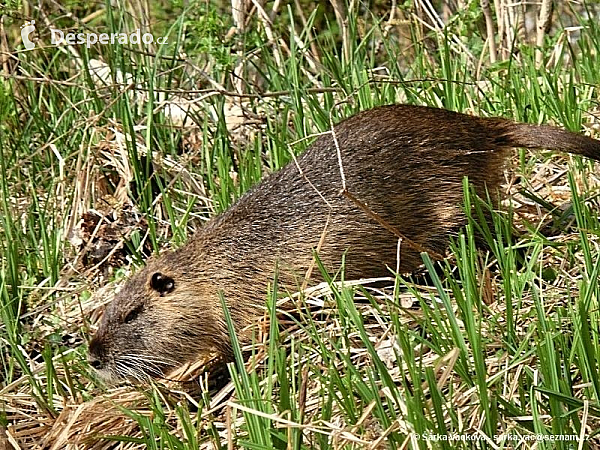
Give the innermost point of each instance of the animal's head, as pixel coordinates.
(167, 314)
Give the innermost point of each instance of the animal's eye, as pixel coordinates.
(132, 315)
(162, 283)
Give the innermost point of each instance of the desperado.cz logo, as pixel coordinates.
(89, 39)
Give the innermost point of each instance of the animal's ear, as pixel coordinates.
(133, 314)
(162, 284)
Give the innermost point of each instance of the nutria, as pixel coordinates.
(405, 164)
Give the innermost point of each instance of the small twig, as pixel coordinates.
(306, 178)
(372, 214)
(302, 395)
(229, 427)
(398, 254)
(324, 232)
(392, 229)
(339, 154)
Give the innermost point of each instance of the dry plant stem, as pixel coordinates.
(398, 255)
(268, 25)
(218, 90)
(500, 22)
(395, 426)
(584, 419)
(339, 154)
(313, 46)
(230, 444)
(392, 18)
(42, 80)
(432, 14)
(512, 25)
(302, 394)
(521, 27)
(490, 29)
(543, 26)
(437, 25)
(325, 428)
(238, 14)
(226, 93)
(310, 59)
(92, 16)
(274, 10)
(3, 439)
(341, 15)
(279, 45)
(238, 79)
(139, 12)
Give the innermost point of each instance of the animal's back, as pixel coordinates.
(405, 163)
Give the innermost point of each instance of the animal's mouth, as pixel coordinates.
(135, 367)
(121, 373)
(107, 376)
(144, 370)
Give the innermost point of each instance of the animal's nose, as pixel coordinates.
(94, 362)
(95, 352)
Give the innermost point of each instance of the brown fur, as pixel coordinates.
(406, 163)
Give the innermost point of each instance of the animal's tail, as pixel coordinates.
(550, 138)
